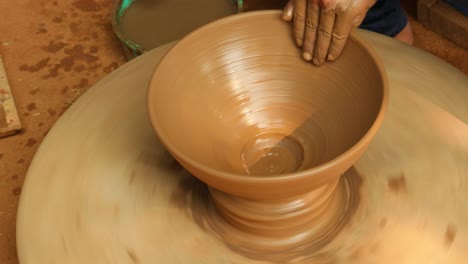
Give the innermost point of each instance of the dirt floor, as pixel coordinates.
(53, 52)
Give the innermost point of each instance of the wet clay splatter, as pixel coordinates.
(1, 155)
(16, 191)
(31, 107)
(34, 91)
(74, 54)
(57, 19)
(450, 234)
(51, 112)
(20, 161)
(397, 184)
(95, 35)
(31, 142)
(41, 31)
(87, 5)
(54, 47)
(94, 67)
(93, 49)
(36, 67)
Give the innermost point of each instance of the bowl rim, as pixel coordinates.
(238, 177)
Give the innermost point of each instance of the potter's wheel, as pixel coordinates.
(101, 189)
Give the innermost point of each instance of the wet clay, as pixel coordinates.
(151, 23)
(269, 133)
(114, 194)
(244, 231)
(288, 230)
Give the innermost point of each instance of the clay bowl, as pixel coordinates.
(236, 105)
(268, 132)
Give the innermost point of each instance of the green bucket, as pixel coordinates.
(131, 46)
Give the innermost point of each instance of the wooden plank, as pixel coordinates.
(9, 119)
(445, 20)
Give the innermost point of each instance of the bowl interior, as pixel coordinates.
(237, 97)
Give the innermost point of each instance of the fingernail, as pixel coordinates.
(316, 61)
(330, 57)
(307, 56)
(299, 43)
(287, 14)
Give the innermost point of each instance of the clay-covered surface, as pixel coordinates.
(119, 196)
(30, 33)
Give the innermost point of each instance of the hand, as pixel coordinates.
(322, 27)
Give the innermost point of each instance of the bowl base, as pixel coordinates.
(277, 230)
(271, 154)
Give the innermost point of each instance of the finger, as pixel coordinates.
(310, 34)
(326, 4)
(299, 14)
(324, 31)
(288, 10)
(343, 27)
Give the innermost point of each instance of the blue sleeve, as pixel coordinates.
(385, 17)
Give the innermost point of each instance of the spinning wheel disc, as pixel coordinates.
(101, 188)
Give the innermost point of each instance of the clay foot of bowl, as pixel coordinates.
(285, 230)
(268, 132)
